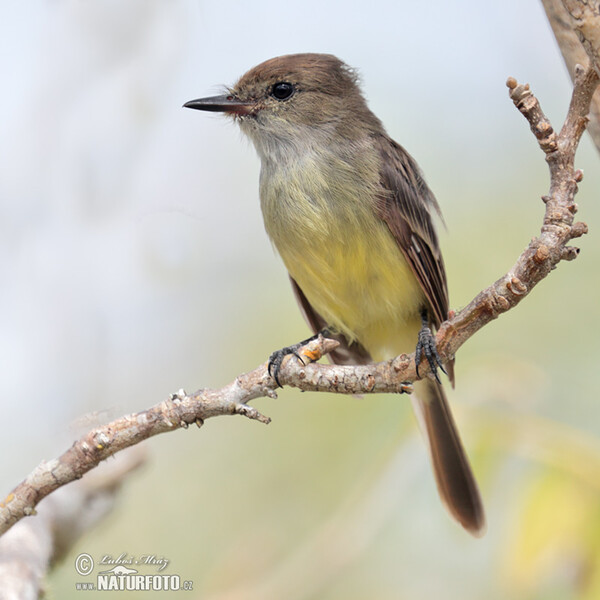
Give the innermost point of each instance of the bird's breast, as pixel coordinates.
(321, 218)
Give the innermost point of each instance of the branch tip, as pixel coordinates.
(578, 229)
(569, 253)
(251, 413)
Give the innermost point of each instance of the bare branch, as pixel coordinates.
(545, 251)
(27, 549)
(179, 411)
(576, 26)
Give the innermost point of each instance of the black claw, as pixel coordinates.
(275, 362)
(276, 359)
(426, 346)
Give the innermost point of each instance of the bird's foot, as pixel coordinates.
(276, 359)
(426, 345)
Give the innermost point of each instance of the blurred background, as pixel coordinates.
(133, 262)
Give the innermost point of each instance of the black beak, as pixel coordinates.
(226, 104)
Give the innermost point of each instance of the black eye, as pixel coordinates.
(282, 90)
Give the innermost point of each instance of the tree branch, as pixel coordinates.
(541, 256)
(545, 251)
(28, 549)
(576, 26)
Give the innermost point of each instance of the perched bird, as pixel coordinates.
(353, 220)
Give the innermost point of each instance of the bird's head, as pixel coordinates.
(288, 97)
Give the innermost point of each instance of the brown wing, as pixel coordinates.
(345, 354)
(406, 205)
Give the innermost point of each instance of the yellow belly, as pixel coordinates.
(362, 286)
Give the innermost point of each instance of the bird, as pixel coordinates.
(351, 216)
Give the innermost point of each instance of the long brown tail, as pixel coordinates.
(455, 481)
